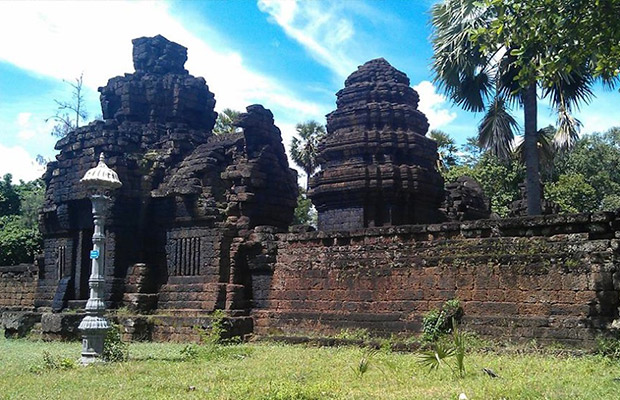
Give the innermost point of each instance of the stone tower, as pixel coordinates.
(189, 200)
(377, 166)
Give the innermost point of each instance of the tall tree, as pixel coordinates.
(9, 197)
(593, 163)
(490, 55)
(305, 148)
(225, 122)
(446, 147)
(69, 113)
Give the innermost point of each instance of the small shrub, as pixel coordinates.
(608, 347)
(442, 351)
(364, 363)
(214, 335)
(439, 322)
(190, 352)
(114, 349)
(213, 345)
(51, 362)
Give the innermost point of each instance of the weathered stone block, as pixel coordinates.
(60, 326)
(17, 324)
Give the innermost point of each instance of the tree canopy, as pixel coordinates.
(305, 147)
(19, 210)
(492, 55)
(225, 122)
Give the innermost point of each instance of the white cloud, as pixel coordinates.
(433, 105)
(17, 161)
(29, 127)
(63, 39)
(324, 31)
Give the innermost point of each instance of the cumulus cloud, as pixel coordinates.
(434, 105)
(29, 127)
(18, 162)
(66, 36)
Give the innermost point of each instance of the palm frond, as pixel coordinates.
(568, 130)
(546, 148)
(569, 88)
(497, 129)
(462, 70)
(435, 357)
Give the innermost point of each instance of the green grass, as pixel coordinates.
(273, 371)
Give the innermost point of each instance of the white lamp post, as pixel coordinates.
(99, 181)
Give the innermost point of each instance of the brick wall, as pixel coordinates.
(552, 278)
(17, 286)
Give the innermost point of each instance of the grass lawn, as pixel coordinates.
(274, 371)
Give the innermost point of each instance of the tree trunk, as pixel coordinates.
(530, 147)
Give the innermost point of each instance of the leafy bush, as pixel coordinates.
(442, 351)
(114, 349)
(213, 344)
(439, 322)
(190, 352)
(608, 347)
(214, 335)
(51, 362)
(18, 244)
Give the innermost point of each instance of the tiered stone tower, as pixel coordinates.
(180, 227)
(377, 166)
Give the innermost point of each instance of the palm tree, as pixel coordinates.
(446, 147)
(225, 122)
(305, 148)
(480, 73)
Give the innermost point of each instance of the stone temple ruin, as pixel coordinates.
(202, 223)
(377, 167)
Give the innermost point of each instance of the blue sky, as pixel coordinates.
(290, 56)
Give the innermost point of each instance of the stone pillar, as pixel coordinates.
(100, 181)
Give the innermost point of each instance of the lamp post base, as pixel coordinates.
(94, 329)
(92, 347)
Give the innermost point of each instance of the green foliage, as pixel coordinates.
(114, 349)
(551, 38)
(353, 334)
(213, 344)
(608, 347)
(50, 362)
(225, 122)
(9, 197)
(17, 243)
(442, 351)
(493, 55)
(305, 146)
(439, 322)
(305, 214)
(215, 334)
(364, 363)
(20, 239)
(572, 193)
(499, 180)
(591, 169)
(190, 352)
(31, 195)
(446, 147)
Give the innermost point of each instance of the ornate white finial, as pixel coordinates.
(101, 176)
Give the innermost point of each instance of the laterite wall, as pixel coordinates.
(17, 287)
(552, 278)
